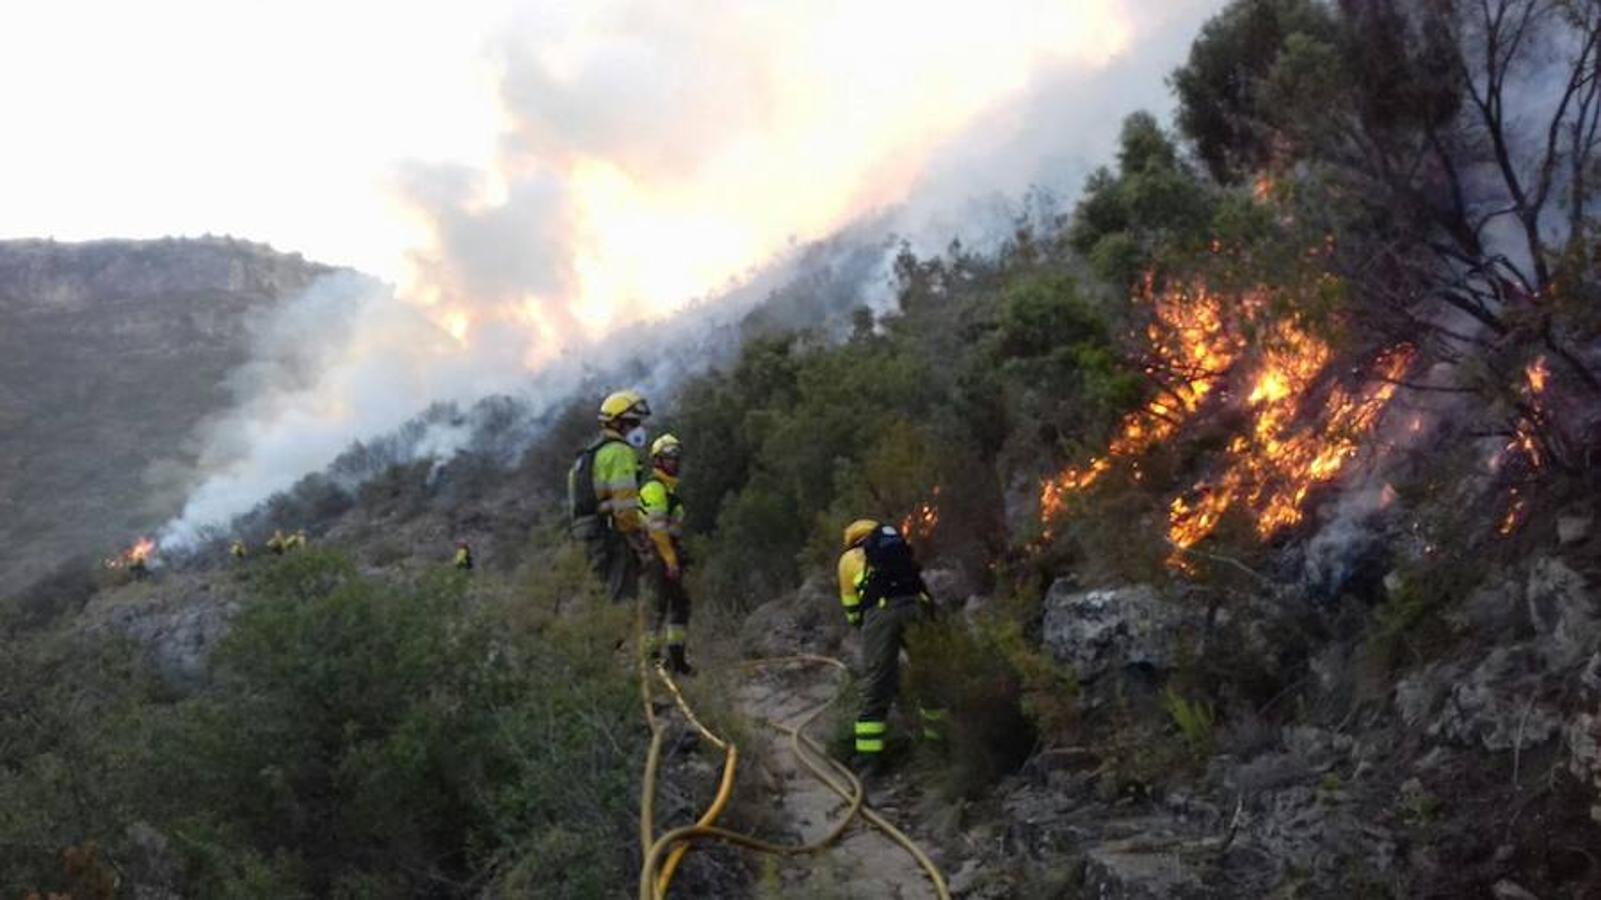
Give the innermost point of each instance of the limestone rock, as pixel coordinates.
(1563, 612)
(1496, 705)
(1583, 737)
(807, 621)
(1106, 630)
(1573, 529)
(1418, 695)
(1125, 870)
(1322, 834)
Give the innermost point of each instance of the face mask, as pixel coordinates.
(636, 437)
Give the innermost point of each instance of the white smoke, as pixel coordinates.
(657, 156)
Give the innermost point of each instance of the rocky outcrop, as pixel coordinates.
(179, 621)
(1115, 629)
(1563, 611)
(807, 621)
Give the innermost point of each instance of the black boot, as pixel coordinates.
(676, 662)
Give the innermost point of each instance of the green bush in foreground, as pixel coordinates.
(359, 739)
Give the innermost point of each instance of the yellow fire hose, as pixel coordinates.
(674, 844)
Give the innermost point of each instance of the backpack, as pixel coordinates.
(581, 500)
(892, 571)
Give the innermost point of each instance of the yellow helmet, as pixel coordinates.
(857, 531)
(666, 445)
(623, 405)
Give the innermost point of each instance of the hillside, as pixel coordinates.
(1257, 500)
(111, 353)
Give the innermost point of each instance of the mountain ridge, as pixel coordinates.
(111, 353)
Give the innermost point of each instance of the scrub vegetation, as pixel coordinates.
(1167, 391)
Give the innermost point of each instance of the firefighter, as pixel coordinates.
(277, 544)
(464, 556)
(296, 541)
(237, 549)
(664, 522)
(881, 587)
(603, 495)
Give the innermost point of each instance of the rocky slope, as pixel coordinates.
(111, 352)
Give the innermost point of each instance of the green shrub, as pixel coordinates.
(968, 682)
(358, 739)
(1196, 721)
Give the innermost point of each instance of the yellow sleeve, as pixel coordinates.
(653, 499)
(617, 485)
(851, 565)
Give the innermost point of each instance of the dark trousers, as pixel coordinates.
(610, 557)
(883, 636)
(672, 606)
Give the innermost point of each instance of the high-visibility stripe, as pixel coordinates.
(870, 728)
(676, 634)
(869, 745)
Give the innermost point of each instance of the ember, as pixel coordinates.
(920, 523)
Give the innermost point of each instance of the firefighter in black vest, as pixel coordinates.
(664, 521)
(603, 495)
(881, 587)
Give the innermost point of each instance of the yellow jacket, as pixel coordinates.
(664, 515)
(617, 484)
(852, 572)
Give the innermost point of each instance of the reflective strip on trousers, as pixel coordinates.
(870, 736)
(676, 634)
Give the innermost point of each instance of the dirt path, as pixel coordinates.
(862, 864)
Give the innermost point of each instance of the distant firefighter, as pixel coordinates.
(296, 541)
(464, 556)
(237, 549)
(277, 544)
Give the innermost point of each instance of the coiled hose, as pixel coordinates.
(662, 855)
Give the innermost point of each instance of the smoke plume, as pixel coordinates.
(658, 156)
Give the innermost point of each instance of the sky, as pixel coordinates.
(302, 124)
(531, 180)
(276, 121)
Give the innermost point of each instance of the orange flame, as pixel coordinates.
(1262, 188)
(920, 523)
(1190, 339)
(136, 556)
(1514, 513)
(1273, 469)
(1525, 440)
(1538, 373)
